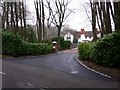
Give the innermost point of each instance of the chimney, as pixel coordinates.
(82, 31)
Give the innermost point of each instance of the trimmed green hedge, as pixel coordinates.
(37, 48)
(106, 51)
(14, 45)
(84, 50)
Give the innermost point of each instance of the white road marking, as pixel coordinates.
(2, 73)
(74, 72)
(29, 84)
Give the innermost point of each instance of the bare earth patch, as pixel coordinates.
(113, 72)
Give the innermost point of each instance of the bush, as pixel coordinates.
(12, 44)
(84, 50)
(63, 44)
(106, 51)
(37, 48)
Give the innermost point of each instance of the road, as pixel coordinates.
(58, 70)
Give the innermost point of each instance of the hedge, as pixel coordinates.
(14, 45)
(106, 51)
(84, 50)
(37, 48)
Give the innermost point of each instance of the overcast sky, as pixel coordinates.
(76, 20)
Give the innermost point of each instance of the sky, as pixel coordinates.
(76, 20)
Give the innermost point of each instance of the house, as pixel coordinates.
(69, 37)
(86, 36)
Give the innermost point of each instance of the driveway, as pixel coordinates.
(58, 70)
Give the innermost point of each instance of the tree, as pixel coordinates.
(7, 15)
(59, 14)
(48, 17)
(16, 15)
(94, 13)
(24, 18)
(43, 21)
(38, 15)
(3, 15)
(103, 14)
(117, 15)
(13, 12)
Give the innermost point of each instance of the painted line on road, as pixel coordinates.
(74, 72)
(92, 69)
(2, 73)
(29, 84)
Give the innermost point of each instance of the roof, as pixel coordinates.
(88, 34)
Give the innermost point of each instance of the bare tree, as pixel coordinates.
(117, 15)
(3, 15)
(24, 18)
(102, 12)
(108, 19)
(59, 14)
(49, 16)
(38, 15)
(43, 21)
(16, 15)
(94, 14)
(7, 15)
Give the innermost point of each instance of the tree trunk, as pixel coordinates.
(43, 19)
(7, 16)
(3, 16)
(108, 20)
(59, 29)
(117, 15)
(104, 15)
(16, 17)
(101, 20)
(12, 17)
(93, 9)
(24, 19)
(40, 24)
(20, 16)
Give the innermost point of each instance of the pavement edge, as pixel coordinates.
(91, 69)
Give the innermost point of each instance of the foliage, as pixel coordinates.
(63, 44)
(11, 44)
(106, 50)
(84, 50)
(37, 48)
(30, 35)
(14, 45)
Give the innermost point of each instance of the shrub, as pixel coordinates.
(12, 44)
(38, 48)
(84, 50)
(63, 44)
(106, 51)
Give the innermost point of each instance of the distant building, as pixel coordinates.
(87, 35)
(69, 37)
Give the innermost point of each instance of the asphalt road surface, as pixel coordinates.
(58, 70)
